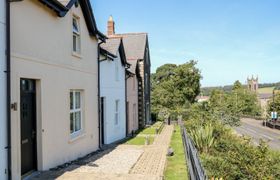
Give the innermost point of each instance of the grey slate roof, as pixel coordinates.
(112, 45)
(134, 45)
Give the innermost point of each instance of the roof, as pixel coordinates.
(107, 54)
(134, 45)
(61, 10)
(112, 45)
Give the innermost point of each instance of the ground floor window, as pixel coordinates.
(75, 111)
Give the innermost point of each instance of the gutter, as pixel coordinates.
(8, 86)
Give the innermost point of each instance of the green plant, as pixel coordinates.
(203, 138)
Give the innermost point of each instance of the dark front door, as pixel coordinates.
(102, 119)
(28, 125)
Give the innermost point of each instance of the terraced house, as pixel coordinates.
(54, 82)
(136, 47)
(113, 65)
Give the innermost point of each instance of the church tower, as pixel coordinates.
(253, 84)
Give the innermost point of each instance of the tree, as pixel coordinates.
(237, 85)
(175, 87)
(274, 105)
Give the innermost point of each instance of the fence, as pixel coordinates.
(196, 171)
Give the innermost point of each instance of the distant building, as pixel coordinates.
(202, 98)
(253, 84)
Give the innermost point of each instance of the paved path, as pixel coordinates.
(124, 162)
(153, 159)
(256, 131)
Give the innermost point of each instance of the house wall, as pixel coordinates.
(41, 49)
(3, 94)
(113, 90)
(132, 98)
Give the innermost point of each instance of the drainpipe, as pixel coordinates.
(8, 70)
(126, 113)
(98, 96)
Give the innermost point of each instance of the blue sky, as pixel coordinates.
(230, 39)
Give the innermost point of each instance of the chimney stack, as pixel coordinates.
(111, 26)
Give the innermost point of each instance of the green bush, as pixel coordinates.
(229, 156)
(203, 138)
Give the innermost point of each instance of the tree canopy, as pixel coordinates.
(237, 85)
(175, 86)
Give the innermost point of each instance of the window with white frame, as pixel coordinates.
(117, 112)
(75, 111)
(76, 35)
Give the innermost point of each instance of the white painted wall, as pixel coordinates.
(41, 45)
(113, 90)
(3, 95)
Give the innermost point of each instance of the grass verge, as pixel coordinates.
(151, 130)
(139, 140)
(176, 165)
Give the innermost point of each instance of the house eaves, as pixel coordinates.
(62, 10)
(107, 54)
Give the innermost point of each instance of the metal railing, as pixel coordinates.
(196, 171)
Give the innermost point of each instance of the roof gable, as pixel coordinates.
(134, 45)
(113, 46)
(62, 10)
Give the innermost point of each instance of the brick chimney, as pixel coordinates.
(110, 26)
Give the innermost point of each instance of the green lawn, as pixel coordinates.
(266, 90)
(150, 130)
(139, 140)
(176, 165)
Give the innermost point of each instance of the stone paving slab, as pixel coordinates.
(106, 176)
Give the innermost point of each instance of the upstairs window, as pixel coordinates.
(76, 36)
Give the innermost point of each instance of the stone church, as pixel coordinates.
(253, 84)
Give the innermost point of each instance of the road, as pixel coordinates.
(256, 131)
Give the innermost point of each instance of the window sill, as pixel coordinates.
(76, 136)
(76, 55)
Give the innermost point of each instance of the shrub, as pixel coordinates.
(203, 138)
